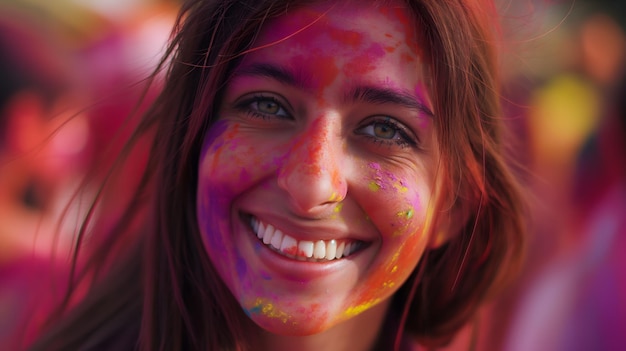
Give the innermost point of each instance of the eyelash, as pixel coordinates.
(399, 130)
(246, 106)
(404, 141)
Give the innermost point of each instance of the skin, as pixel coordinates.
(296, 148)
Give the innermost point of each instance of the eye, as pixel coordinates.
(267, 106)
(386, 130)
(263, 106)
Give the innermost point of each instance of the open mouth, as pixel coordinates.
(303, 250)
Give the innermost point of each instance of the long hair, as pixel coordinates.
(164, 292)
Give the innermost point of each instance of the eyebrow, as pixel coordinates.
(377, 95)
(368, 94)
(278, 73)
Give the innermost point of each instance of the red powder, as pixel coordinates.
(326, 76)
(230, 135)
(346, 37)
(292, 251)
(406, 58)
(366, 62)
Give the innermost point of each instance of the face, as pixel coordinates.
(314, 195)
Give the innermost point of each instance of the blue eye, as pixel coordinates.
(387, 131)
(263, 106)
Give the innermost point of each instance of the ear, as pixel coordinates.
(25, 122)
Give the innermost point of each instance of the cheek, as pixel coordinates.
(400, 208)
(231, 161)
(229, 164)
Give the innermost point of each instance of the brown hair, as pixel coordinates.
(165, 294)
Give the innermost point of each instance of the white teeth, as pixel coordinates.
(331, 250)
(260, 230)
(340, 250)
(277, 239)
(267, 235)
(319, 251)
(301, 250)
(289, 244)
(306, 248)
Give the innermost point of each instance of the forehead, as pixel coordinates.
(356, 40)
(342, 21)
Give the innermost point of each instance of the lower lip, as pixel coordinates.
(294, 269)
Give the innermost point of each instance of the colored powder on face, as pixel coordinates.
(355, 310)
(293, 27)
(214, 133)
(408, 214)
(424, 121)
(375, 52)
(374, 186)
(337, 180)
(406, 58)
(326, 70)
(405, 216)
(338, 208)
(389, 284)
(402, 230)
(218, 147)
(398, 14)
(265, 275)
(242, 267)
(394, 261)
(406, 25)
(268, 309)
(257, 247)
(206, 218)
(307, 147)
(314, 140)
(366, 62)
(244, 175)
(374, 165)
(346, 37)
(400, 187)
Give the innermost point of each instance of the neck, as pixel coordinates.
(357, 334)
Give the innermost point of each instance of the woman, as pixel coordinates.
(323, 175)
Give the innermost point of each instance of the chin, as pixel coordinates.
(296, 320)
(292, 327)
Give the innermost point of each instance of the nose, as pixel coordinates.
(311, 172)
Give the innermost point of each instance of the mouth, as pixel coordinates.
(303, 250)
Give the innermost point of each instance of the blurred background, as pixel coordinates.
(72, 71)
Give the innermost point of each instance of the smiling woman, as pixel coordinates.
(314, 168)
(324, 175)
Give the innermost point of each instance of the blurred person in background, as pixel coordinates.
(44, 146)
(563, 99)
(572, 295)
(71, 77)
